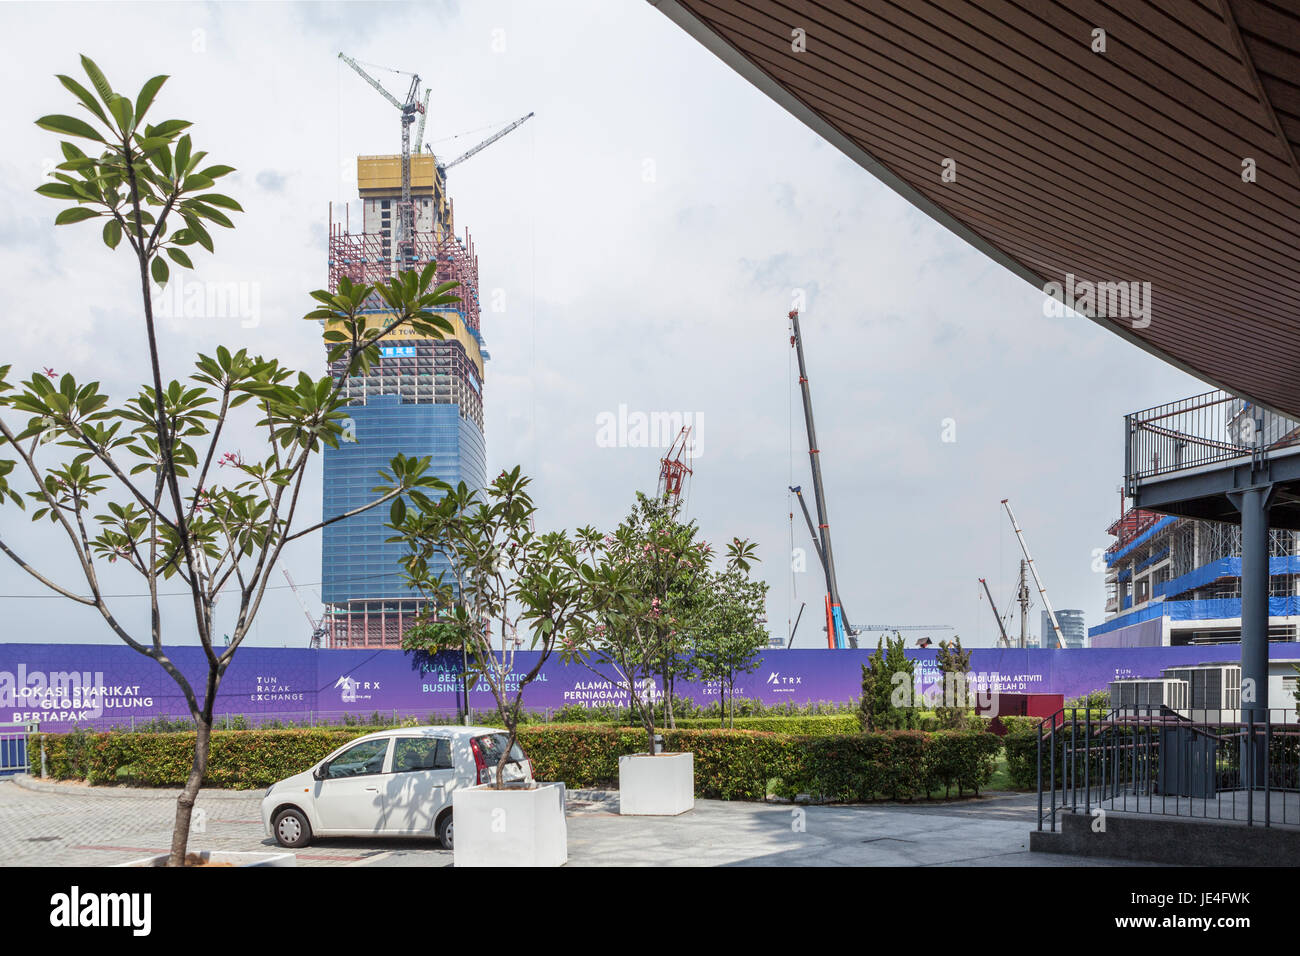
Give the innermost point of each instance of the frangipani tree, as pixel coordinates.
(145, 484)
(492, 584)
(731, 634)
(646, 605)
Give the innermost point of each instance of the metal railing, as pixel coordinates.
(14, 756)
(1202, 430)
(1214, 764)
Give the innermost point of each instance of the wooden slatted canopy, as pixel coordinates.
(1117, 166)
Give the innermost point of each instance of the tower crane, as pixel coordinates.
(1042, 591)
(318, 629)
(410, 109)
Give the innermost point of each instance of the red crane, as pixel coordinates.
(672, 470)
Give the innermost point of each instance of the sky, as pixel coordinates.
(641, 241)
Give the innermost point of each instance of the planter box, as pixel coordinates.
(515, 827)
(223, 857)
(662, 785)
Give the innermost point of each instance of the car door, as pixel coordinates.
(349, 796)
(419, 784)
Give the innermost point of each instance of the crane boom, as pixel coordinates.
(317, 627)
(837, 633)
(486, 143)
(419, 126)
(372, 81)
(672, 470)
(803, 505)
(1042, 591)
(1003, 641)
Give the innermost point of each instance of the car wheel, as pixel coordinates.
(292, 829)
(445, 836)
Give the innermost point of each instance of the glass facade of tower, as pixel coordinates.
(356, 559)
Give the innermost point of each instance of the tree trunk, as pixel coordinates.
(513, 730)
(669, 717)
(190, 792)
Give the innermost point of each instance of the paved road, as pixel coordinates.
(45, 824)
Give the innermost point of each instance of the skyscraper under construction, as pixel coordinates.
(423, 397)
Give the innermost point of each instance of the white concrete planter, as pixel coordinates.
(515, 827)
(222, 856)
(662, 785)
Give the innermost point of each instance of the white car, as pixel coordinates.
(395, 782)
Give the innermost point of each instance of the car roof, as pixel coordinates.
(436, 730)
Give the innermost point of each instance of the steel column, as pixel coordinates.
(1253, 504)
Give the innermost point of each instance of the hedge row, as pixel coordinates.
(808, 726)
(729, 764)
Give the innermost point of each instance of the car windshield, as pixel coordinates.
(493, 745)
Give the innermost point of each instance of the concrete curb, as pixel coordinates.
(1172, 840)
(73, 790)
(594, 796)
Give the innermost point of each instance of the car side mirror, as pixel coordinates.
(321, 772)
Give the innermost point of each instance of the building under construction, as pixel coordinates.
(1172, 581)
(423, 396)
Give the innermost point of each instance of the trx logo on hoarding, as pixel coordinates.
(352, 688)
(781, 683)
(76, 909)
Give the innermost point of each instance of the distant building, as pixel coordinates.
(1174, 581)
(1073, 631)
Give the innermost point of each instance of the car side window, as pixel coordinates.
(421, 753)
(360, 759)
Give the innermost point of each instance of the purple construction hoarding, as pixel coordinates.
(62, 685)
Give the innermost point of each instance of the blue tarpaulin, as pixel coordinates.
(1146, 535)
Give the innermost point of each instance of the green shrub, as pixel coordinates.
(729, 764)
(859, 767)
(806, 725)
(964, 759)
(1021, 747)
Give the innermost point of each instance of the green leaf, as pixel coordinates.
(168, 128)
(58, 191)
(121, 109)
(81, 93)
(147, 93)
(69, 126)
(97, 78)
(75, 214)
(112, 233)
(180, 258)
(216, 199)
(183, 156)
(158, 269)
